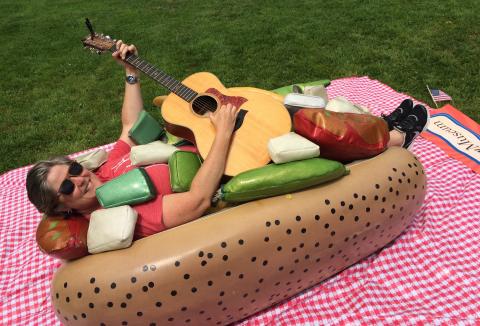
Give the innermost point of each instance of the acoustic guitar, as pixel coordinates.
(184, 111)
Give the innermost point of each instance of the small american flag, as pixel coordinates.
(439, 95)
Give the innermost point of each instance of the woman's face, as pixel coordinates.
(83, 198)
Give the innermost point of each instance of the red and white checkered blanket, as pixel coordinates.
(431, 273)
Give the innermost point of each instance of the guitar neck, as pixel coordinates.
(161, 77)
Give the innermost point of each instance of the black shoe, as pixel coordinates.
(413, 124)
(404, 109)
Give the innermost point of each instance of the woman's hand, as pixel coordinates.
(224, 119)
(121, 53)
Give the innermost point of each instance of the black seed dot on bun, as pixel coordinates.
(113, 285)
(158, 304)
(65, 285)
(92, 280)
(110, 304)
(177, 263)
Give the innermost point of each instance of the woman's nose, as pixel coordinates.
(77, 180)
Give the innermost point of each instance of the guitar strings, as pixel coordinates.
(202, 104)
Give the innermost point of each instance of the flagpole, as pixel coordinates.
(429, 92)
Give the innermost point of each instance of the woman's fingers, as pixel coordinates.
(123, 49)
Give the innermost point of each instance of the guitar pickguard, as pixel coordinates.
(224, 99)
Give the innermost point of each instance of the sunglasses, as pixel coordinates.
(67, 186)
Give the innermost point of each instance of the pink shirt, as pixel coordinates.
(150, 214)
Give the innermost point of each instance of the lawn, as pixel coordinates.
(56, 98)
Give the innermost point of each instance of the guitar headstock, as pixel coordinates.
(98, 43)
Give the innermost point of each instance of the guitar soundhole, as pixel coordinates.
(204, 103)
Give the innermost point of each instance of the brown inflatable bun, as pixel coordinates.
(229, 265)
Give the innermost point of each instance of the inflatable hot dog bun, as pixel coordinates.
(231, 264)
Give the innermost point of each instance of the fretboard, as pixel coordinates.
(161, 77)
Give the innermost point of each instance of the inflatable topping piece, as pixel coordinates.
(63, 238)
(279, 179)
(343, 136)
(229, 265)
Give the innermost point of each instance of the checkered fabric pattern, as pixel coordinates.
(430, 274)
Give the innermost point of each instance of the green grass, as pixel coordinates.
(57, 99)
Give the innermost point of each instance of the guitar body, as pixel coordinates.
(264, 118)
